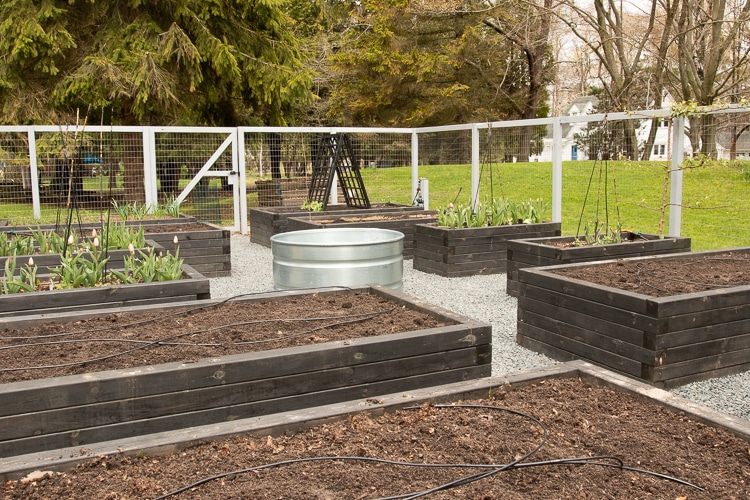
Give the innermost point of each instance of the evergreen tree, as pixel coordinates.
(214, 62)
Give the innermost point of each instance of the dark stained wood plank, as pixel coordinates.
(80, 437)
(580, 350)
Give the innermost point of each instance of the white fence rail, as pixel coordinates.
(217, 173)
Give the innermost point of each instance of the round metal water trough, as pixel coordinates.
(338, 257)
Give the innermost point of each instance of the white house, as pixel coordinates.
(572, 133)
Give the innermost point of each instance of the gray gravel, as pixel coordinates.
(479, 297)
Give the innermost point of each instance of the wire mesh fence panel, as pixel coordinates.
(385, 161)
(74, 179)
(716, 182)
(616, 170)
(15, 178)
(83, 175)
(445, 161)
(510, 165)
(606, 187)
(279, 165)
(182, 156)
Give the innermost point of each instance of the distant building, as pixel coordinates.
(576, 146)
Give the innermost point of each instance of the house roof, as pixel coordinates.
(581, 105)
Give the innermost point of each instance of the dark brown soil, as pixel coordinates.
(174, 228)
(114, 342)
(659, 278)
(373, 218)
(582, 421)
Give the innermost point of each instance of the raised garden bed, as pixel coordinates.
(204, 246)
(540, 252)
(44, 262)
(468, 251)
(285, 192)
(268, 221)
(278, 192)
(587, 412)
(193, 286)
(668, 320)
(278, 352)
(402, 222)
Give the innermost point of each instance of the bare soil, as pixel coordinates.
(115, 341)
(376, 217)
(676, 276)
(174, 228)
(583, 422)
(374, 456)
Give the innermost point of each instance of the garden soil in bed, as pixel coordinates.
(582, 420)
(673, 276)
(174, 228)
(110, 342)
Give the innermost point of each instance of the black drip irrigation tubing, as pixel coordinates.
(167, 341)
(154, 320)
(643, 274)
(491, 469)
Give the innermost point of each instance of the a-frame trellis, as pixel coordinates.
(334, 155)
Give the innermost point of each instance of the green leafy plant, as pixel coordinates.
(172, 207)
(141, 210)
(48, 241)
(82, 268)
(149, 266)
(118, 236)
(16, 244)
(533, 211)
(499, 212)
(122, 211)
(312, 206)
(448, 217)
(25, 282)
(595, 233)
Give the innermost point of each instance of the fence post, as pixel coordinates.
(675, 176)
(474, 166)
(414, 164)
(149, 168)
(34, 167)
(242, 180)
(556, 170)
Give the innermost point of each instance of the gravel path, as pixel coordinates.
(479, 297)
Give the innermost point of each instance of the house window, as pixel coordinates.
(665, 123)
(659, 149)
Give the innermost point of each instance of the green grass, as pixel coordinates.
(716, 198)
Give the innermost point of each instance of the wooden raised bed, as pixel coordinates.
(666, 341)
(540, 252)
(44, 262)
(285, 192)
(277, 424)
(402, 222)
(204, 246)
(268, 221)
(80, 410)
(278, 192)
(193, 286)
(469, 251)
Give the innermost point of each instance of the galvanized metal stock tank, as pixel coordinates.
(338, 257)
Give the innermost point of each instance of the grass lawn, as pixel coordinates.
(716, 199)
